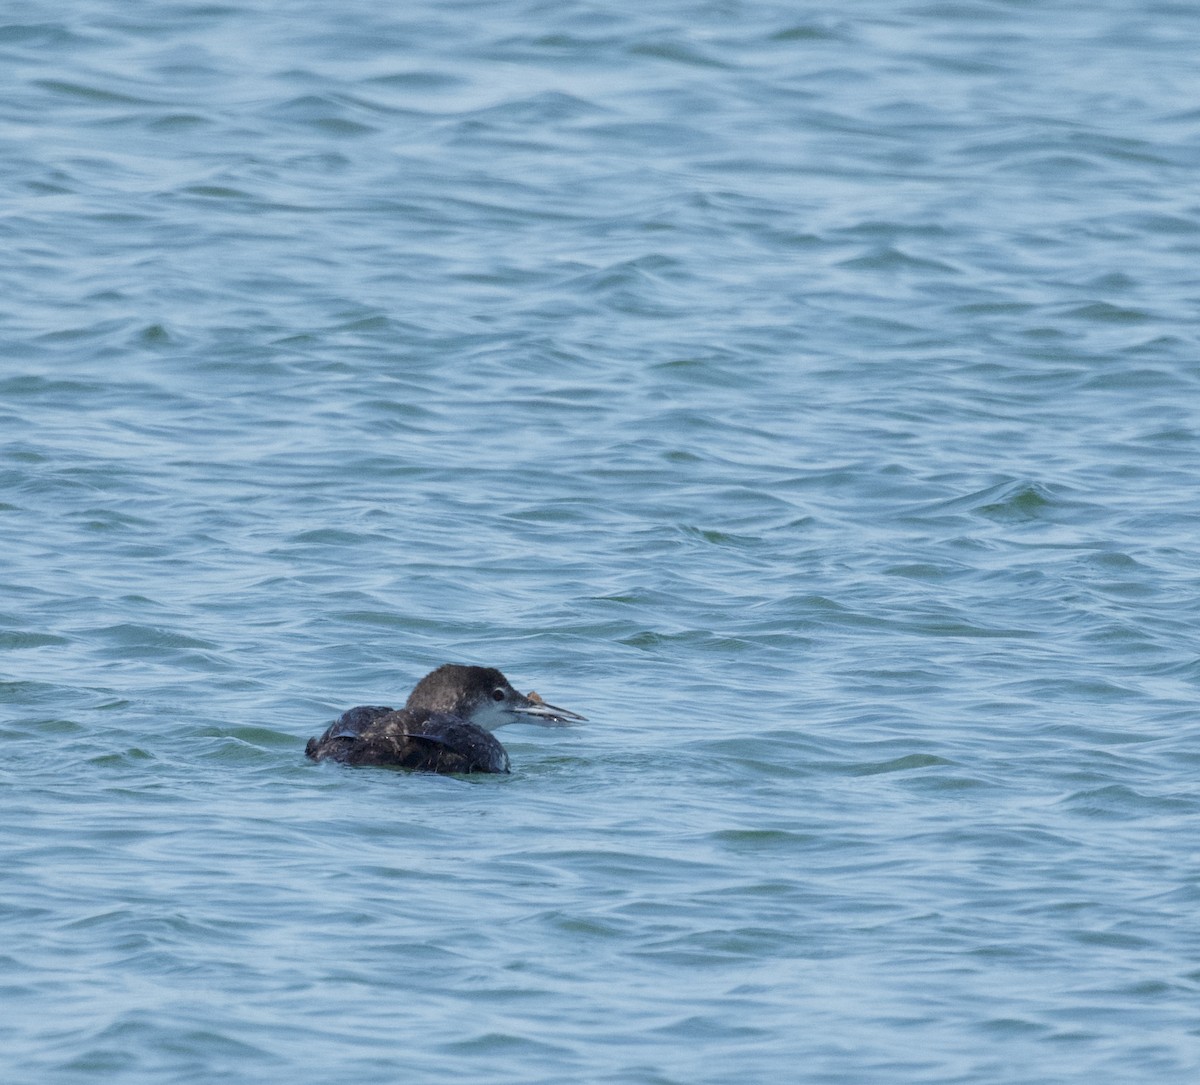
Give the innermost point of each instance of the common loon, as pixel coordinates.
(445, 726)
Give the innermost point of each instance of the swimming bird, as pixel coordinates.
(445, 726)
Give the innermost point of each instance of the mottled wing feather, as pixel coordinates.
(352, 722)
(340, 734)
(374, 735)
(461, 743)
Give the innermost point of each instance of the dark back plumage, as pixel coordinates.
(424, 742)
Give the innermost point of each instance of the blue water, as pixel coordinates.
(808, 395)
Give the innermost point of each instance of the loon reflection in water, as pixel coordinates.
(445, 726)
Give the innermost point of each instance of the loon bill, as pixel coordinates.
(445, 726)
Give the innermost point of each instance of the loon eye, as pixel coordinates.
(498, 694)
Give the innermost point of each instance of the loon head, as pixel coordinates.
(485, 697)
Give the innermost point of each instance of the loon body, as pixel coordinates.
(445, 726)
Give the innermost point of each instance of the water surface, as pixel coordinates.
(810, 397)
